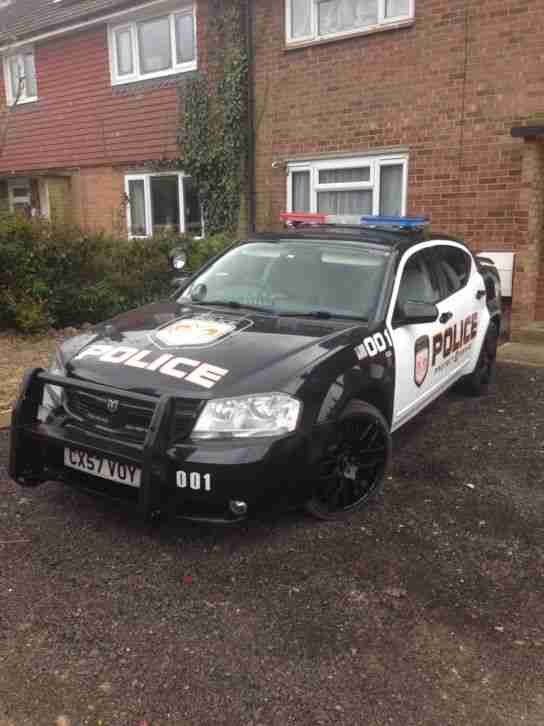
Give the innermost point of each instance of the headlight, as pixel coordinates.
(53, 395)
(267, 414)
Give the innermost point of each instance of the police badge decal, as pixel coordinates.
(422, 355)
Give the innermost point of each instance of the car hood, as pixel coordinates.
(199, 351)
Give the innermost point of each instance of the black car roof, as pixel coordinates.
(394, 239)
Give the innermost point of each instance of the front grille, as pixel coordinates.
(130, 420)
(126, 419)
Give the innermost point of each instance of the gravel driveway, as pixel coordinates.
(426, 609)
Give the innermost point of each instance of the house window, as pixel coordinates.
(349, 188)
(20, 196)
(153, 47)
(308, 20)
(162, 203)
(20, 77)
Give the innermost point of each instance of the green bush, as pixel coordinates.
(60, 276)
(200, 251)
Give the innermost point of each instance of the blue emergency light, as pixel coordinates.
(397, 222)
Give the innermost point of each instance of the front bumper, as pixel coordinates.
(263, 473)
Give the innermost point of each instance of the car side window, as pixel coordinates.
(418, 283)
(455, 267)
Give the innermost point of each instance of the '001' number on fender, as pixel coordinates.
(194, 480)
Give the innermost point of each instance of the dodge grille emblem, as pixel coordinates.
(112, 405)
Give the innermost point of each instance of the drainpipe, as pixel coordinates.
(251, 172)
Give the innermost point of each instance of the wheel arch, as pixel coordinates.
(496, 320)
(378, 397)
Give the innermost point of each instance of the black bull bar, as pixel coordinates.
(24, 422)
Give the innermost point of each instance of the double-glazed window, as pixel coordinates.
(20, 77)
(349, 188)
(314, 19)
(161, 203)
(153, 47)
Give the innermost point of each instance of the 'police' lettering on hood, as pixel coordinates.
(194, 371)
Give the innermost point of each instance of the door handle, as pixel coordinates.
(445, 317)
(480, 294)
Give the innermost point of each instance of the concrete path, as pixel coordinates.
(522, 353)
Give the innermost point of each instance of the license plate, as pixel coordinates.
(102, 467)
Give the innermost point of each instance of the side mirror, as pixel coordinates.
(178, 259)
(180, 280)
(416, 313)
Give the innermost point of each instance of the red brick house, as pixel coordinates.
(90, 99)
(393, 106)
(382, 106)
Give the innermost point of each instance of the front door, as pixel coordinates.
(415, 383)
(20, 196)
(431, 356)
(463, 306)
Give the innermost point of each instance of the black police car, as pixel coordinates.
(274, 377)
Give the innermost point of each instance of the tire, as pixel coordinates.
(475, 384)
(353, 467)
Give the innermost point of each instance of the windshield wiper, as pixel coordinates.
(320, 315)
(234, 305)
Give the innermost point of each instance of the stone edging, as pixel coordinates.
(5, 419)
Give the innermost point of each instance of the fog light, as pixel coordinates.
(239, 509)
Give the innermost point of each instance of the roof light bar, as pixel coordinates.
(397, 222)
(294, 219)
(297, 219)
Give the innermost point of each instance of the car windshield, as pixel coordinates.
(288, 277)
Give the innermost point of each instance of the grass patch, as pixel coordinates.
(20, 352)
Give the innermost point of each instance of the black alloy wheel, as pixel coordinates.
(354, 464)
(475, 383)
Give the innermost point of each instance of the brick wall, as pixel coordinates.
(4, 199)
(81, 121)
(539, 307)
(60, 201)
(534, 291)
(99, 199)
(529, 245)
(449, 88)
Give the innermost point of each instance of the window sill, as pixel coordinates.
(179, 70)
(22, 102)
(375, 29)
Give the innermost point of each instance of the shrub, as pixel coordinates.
(200, 251)
(59, 276)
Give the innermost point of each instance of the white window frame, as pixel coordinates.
(21, 199)
(383, 23)
(132, 26)
(373, 184)
(146, 178)
(23, 97)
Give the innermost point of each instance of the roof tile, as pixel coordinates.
(22, 19)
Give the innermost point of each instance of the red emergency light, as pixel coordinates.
(294, 219)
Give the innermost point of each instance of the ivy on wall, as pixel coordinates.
(214, 133)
